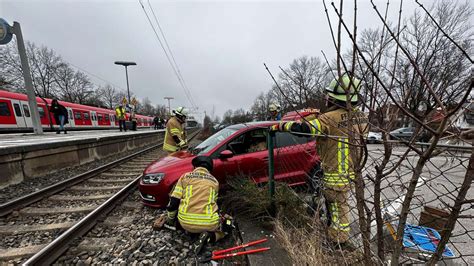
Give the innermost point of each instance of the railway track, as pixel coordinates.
(36, 229)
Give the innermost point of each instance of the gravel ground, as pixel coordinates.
(31, 185)
(138, 244)
(28, 239)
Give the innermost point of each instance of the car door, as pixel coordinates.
(294, 157)
(245, 162)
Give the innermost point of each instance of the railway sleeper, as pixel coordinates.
(27, 228)
(32, 211)
(79, 198)
(84, 188)
(15, 253)
(100, 180)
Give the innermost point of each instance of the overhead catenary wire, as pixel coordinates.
(174, 66)
(187, 91)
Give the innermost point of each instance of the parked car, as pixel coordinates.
(406, 133)
(402, 133)
(237, 150)
(374, 137)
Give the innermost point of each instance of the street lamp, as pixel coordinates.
(169, 105)
(126, 64)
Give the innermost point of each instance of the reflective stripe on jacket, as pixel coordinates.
(120, 112)
(331, 130)
(197, 191)
(173, 128)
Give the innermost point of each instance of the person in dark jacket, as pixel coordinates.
(156, 122)
(60, 115)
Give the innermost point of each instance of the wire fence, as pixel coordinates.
(431, 219)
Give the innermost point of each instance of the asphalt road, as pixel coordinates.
(439, 184)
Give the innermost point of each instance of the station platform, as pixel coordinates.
(26, 155)
(30, 139)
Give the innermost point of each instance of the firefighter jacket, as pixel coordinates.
(120, 113)
(332, 131)
(198, 210)
(174, 135)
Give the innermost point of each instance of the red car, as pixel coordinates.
(237, 150)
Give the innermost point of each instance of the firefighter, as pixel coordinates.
(121, 113)
(194, 202)
(275, 112)
(175, 136)
(332, 129)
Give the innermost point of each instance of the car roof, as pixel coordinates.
(252, 124)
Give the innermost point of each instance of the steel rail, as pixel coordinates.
(55, 249)
(31, 198)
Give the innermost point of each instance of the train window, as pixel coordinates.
(70, 114)
(26, 109)
(99, 117)
(93, 117)
(86, 116)
(17, 109)
(4, 109)
(106, 117)
(41, 111)
(77, 115)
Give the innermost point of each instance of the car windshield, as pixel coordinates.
(213, 141)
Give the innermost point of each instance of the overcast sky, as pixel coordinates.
(220, 46)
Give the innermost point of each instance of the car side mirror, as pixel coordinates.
(226, 154)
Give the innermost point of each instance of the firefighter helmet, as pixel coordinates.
(202, 161)
(274, 107)
(343, 89)
(180, 112)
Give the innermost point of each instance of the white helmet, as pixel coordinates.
(180, 112)
(274, 107)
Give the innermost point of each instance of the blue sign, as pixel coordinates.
(5, 32)
(424, 239)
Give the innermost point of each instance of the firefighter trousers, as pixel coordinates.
(339, 228)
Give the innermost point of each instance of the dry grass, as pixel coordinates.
(307, 246)
(302, 235)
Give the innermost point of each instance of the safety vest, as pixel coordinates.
(197, 191)
(331, 130)
(173, 128)
(120, 112)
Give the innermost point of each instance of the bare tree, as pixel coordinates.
(302, 81)
(110, 96)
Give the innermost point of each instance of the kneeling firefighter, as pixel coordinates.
(175, 136)
(332, 130)
(193, 202)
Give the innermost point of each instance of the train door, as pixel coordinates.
(20, 116)
(94, 121)
(112, 120)
(26, 111)
(70, 117)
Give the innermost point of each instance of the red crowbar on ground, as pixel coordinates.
(224, 253)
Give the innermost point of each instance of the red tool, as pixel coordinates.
(224, 253)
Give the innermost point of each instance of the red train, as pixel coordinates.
(15, 115)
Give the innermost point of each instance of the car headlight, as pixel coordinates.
(153, 178)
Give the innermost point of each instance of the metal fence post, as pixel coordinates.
(271, 171)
